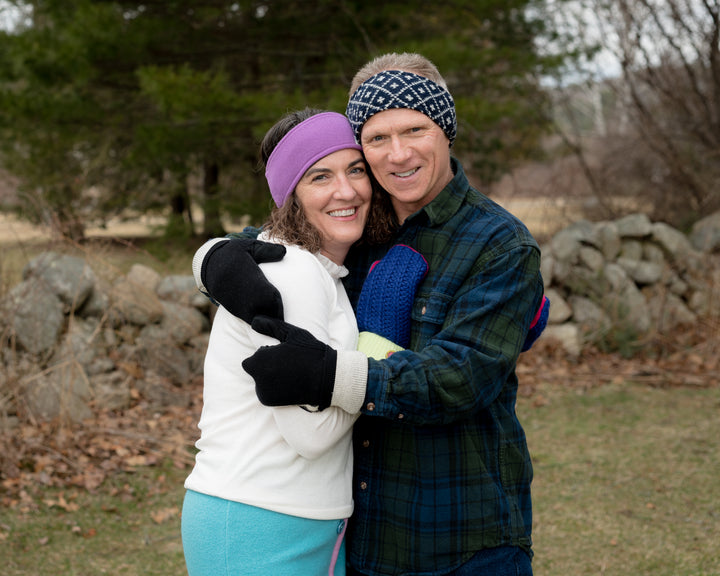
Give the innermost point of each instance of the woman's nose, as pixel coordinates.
(345, 188)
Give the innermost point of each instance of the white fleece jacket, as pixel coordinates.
(283, 459)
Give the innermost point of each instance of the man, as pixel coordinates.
(442, 471)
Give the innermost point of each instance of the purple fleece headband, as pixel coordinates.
(301, 147)
(399, 89)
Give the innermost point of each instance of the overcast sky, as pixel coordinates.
(8, 15)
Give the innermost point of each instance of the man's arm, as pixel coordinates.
(469, 344)
(383, 316)
(227, 271)
(463, 367)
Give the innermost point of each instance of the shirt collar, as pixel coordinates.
(336, 271)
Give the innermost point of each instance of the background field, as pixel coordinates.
(626, 455)
(626, 482)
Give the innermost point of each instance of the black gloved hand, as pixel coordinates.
(232, 277)
(298, 371)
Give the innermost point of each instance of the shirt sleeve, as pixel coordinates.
(198, 260)
(311, 434)
(308, 295)
(476, 337)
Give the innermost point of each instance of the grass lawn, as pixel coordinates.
(626, 483)
(131, 526)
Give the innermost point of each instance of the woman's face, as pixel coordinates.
(335, 194)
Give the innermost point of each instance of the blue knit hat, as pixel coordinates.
(387, 295)
(399, 89)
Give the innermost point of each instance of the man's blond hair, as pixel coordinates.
(405, 61)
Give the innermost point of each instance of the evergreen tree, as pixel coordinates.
(110, 106)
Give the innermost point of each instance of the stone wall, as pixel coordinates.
(72, 341)
(631, 277)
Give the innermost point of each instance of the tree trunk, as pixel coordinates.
(212, 225)
(180, 222)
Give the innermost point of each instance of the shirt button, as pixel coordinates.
(366, 443)
(363, 485)
(371, 406)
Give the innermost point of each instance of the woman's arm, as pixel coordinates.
(309, 295)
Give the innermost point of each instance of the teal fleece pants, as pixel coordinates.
(225, 538)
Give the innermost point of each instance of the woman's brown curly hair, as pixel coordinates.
(289, 222)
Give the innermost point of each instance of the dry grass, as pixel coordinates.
(130, 527)
(110, 253)
(626, 480)
(125, 243)
(625, 483)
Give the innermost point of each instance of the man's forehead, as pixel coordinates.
(393, 118)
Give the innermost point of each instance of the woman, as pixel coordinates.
(270, 492)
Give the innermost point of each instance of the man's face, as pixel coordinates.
(409, 155)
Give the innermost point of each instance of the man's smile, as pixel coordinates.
(406, 174)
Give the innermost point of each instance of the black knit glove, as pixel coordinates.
(232, 277)
(298, 371)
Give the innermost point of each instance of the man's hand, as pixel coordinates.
(298, 371)
(232, 277)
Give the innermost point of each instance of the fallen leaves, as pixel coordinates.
(690, 358)
(165, 514)
(60, 502)
(78, 531)
(34, 455)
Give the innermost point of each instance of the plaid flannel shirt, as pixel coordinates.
(442, 467)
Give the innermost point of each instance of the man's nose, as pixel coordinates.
(398, 151)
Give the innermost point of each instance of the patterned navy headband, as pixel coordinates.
(399, 89)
